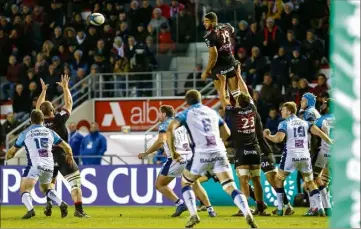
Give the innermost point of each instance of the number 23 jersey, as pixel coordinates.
(296, 131)
(38, 141)
(203, 125)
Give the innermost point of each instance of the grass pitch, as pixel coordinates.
(150, 217)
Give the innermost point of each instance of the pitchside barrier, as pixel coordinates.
(125, 185)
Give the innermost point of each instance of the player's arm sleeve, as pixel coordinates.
(62, 116)
(309, 116)
(162, 128)
(181, 117)
(318, 122)
(57, 138)
(20, 141)
(282, 127)
(310, 124)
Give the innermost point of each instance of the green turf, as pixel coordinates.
(147, 217)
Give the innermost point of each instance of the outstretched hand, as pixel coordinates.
(44, 86)
(64, 82)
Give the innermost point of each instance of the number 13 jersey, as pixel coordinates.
(38, 141)
(203, 125)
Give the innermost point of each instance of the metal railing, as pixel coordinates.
(150, 131)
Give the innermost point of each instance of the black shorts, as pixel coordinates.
(61, 165)
(248, 156)
(230, 70)
(212, 176)
(267, 163)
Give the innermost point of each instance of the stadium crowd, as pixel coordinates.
(281, 45)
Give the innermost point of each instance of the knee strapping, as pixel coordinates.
(74, 180)
(242, 172)
(228, 183)
(308, 178)
(186, 180)
(326, 179)
(255, 172)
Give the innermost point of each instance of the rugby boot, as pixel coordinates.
(63, 210)
(289, 210)
(278, 212)
(29, 214)
(47, 209)
(250, 221)
(312, 212)
(80, 214)
(240, 213)
(256, 211)
(193, 220)
(179, 210)
(211, 212)
(321, 212)
(263, 212)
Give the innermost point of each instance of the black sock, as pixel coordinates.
(285, 199)
(48, 200)
(251, 193)
(260, 206)
(78, 206)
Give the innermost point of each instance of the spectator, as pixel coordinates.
(69, 34)
(51, 78)
(273, 120)
(5, 51)
(17, 25)
(30, 77)
(133, 14)
(28, 31)
(90, 41)
(122, 18)
(297, 28)
(48, 51)
(78, 62)
(313, 49)
(165, 39)
(275, 9)
(241, 35)
(63, 54)
(253, 38)
(123, 31)
(109, 10)
(41, 66)
(130, 49)
(165, 8)
(80, 38)
(255, 67)
(291, 44)
(21, 104)
(53, 18)
(149, 41)
(24, 67)
(75, 140)
(77, 23)
(141, 33)
(94, 144)
(299, 66)
(261, 108)
(260, 10)
(270, 94)
(285, 21)
(121, 65)
(242, 58)
(15, 43)
(57, 64)
(118, 47)
(293, 92)
(10, 124)
(145, 12)
(304, 87)
(321, 87)
(183, 33)
(38, 15)
(157, 20)
(12, 77)
(272, 37)
(33, 90)
(280, 69)
(175, 7)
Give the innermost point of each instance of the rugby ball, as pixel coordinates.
(97, 19)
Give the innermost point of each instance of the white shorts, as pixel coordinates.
(209, 162)
(300, 161)
(43, 174)
(322, 158)
(173, 168)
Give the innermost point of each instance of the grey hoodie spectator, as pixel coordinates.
(157, 20)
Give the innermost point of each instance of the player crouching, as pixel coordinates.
(38, 141)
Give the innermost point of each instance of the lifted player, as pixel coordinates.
(56, 121)
(38, 141)
(296, 155)
(173, 168)
(221, 60)
(207, 131)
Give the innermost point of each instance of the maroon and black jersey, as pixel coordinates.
(57, 123)
(221, 37)
(243, 125)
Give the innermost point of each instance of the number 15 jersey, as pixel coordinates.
(203, 125)
(38, 141)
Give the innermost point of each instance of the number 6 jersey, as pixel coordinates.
(38, 141)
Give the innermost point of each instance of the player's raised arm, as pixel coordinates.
(174, 124)
(241, 84)
(68, 101)
(222, 91)
(318, 132)
(213, 55)
(277, 138)
(224, 132)
(42, 95)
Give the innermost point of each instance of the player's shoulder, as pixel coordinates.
(62, 112)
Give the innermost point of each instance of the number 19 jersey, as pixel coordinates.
(203, 124)
(38, 141)
(296, 131)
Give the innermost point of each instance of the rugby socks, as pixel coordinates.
(78, 206)
(280, 194)
(179, 202)
(251, 193)
(54, 196)
(324, 194)
(260, 206)
(285, 199)
(240, 201)
(311, 200)
(316, 196)
(27, 200)
(190, 200)
(49, 200)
